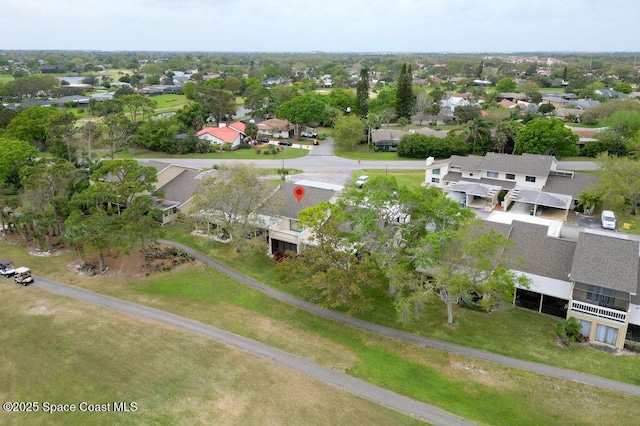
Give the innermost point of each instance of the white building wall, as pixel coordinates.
(547, 286)
(634, 314)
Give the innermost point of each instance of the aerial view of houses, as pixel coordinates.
(204, 228)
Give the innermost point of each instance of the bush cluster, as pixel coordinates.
(422, 146)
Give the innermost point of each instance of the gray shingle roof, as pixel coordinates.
(606, 261)
(525, 164)
(181, 187)
(546, 256)
(158, 165)
(469, 163)
(570, 186)
(288, 205)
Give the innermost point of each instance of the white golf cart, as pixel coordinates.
(6, 268)
(23, 276)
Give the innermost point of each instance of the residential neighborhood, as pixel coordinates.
(413, 222)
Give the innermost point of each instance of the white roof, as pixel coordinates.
(22, 270)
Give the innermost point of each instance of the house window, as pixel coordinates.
(435, 172)
(492, 175)
(586, 327)
(601, 296)
(530, 178)
(435, 180)
(607, 335)
(511, 176)
(294, 225)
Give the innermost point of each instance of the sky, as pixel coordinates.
(456, 26)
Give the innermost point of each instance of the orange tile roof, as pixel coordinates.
(225, 134)
(506, 103)
(238, 125)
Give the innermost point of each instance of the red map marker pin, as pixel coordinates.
(298, 192)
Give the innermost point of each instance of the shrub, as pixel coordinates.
(569, 330)
(417, 145)
(592, 149)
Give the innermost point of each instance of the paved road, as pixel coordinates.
(322, 161)
(343, 381)
(412, 338)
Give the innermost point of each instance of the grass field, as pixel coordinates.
(362, 153)
(515, 332)
(411, 178)
(240, 154)
(169, 103)
(63, 352)
(480, 391)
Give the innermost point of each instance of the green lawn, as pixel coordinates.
(514, 332)
(362, 153)
(169, 103)
(240, 154)
(479, 391)
(60, 351)
(5, 78)
(549, 90)
(411, 178)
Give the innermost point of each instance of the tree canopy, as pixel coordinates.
(307, 109)
(229, 201)
(547, 137)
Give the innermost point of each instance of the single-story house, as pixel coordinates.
(225, 134)
(388, 139)
(276, 128)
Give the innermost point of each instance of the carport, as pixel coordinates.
(476, 195)
(543, 204)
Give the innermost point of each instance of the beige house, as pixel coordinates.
(285, 232)
(592, 277)
(177, 184)
(276, 128)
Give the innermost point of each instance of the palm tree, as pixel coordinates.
(479, 133)
(505, 136)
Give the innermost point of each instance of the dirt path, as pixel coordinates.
(343, 381)
(412, 338)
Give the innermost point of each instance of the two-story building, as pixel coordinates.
(527, 183)
(285, 231)
(593, 277)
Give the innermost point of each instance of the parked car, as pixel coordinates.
(308, 134)
(263, 140)
(6, 268)
(23, 276)
(361, 181)
(608, 219)
(286, 143)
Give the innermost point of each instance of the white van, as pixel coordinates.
(608, 219)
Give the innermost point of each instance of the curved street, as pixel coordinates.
(343, 381)
(322, 164)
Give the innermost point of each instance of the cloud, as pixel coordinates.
(330, 25)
